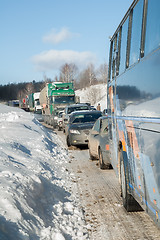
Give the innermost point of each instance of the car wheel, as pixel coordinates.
(68, 142)
(102, 165)
(129, 203)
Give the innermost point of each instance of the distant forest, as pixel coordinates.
(68, 73)
(19, 90)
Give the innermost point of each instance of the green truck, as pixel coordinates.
(54, 97)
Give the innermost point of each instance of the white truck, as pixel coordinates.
(37, 106)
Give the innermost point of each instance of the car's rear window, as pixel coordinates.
(72, 109)
(83, 118)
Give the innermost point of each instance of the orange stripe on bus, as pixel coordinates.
(157, 215)
(132, 137)
(111, 98)
(107, 147)
(155, 202)
(122, 139)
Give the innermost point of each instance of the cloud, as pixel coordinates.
(55, 37)
(54, 59)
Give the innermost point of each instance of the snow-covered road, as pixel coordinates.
(99, 192)
(38, 195)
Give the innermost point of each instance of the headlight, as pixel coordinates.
(74, 131)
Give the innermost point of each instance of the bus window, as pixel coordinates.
(122, 65)
(153, 26)
(113, 59)
(118, 50)
(110, 63)
(115, 43)
(136, 33)
(115, 56)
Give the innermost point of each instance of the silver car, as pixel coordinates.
(59, 120)
(98, 143)
(79, 126)
(72, 108)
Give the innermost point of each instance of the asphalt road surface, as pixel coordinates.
(99, 191)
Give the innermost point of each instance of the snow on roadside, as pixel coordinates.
(98, 92)
(39, 198)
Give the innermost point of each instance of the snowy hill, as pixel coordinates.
(94, 95)
(38, 196)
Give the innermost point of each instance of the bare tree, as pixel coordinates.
(29, 88)
(92, 75)
(46, 79)
(102, 73)
(93, 95)
(68, 72)
(87, 77)
(56, 79)
(83, 79)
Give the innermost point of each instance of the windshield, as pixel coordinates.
(64, 99)
(37, 102)
(78, 108)
(85, 118)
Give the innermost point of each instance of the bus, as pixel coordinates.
(133, 101)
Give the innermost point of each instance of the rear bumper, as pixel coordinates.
(78, 139)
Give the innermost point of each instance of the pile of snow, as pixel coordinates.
(94, 94)
(38, 197)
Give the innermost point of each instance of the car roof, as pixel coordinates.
(85, 112)
(77, 105)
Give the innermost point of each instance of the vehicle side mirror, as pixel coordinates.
(106, 129)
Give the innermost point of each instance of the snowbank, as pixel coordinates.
(39, 198)
(94, 94)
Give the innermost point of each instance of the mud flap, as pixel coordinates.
(129, 203)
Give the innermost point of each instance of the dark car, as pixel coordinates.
(99, 143)
(79, 126)
(72, 108)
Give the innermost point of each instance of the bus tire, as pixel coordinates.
(129, 203)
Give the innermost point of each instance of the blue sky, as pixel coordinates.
(39, 36)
